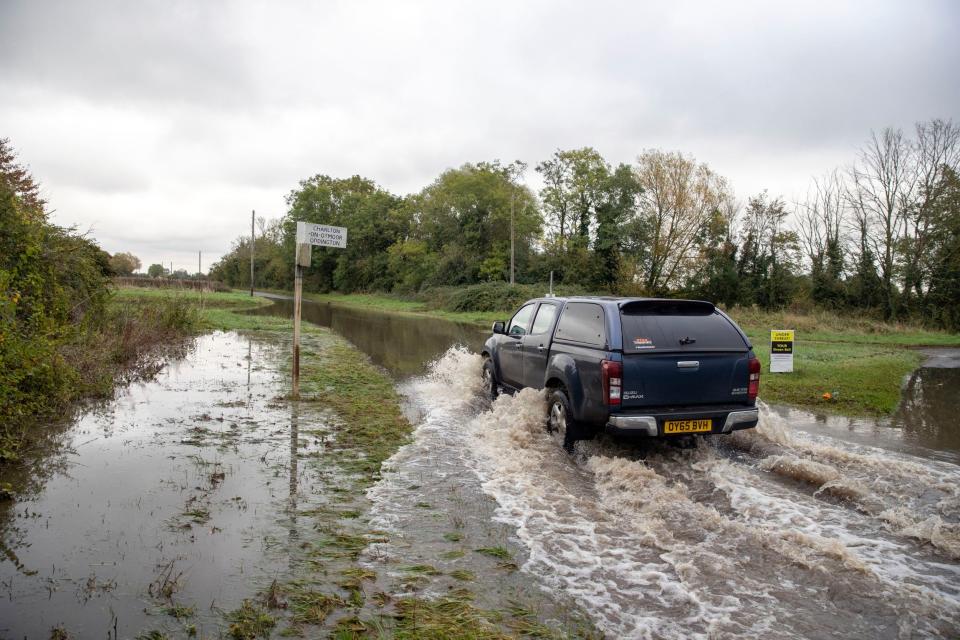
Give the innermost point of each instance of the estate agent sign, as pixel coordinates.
(781, 351)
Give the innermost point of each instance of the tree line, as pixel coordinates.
(881, 235)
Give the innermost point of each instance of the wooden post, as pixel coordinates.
(252, 214)
(297, 299)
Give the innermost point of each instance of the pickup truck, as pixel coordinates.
(656, 368)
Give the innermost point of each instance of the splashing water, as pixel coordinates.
(767, 532)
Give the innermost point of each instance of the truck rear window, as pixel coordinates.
(582, 322)
(677, 325)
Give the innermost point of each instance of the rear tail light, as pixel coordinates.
(612, 381)
(753, 388)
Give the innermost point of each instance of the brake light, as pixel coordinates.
(753, 388)
(612, 381)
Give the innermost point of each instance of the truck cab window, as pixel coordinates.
(521, 321)
(584, 323)
(544, 319)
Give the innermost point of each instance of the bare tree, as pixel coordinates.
(679, 199)
(882, 187)
(821, 217)
(937, 146)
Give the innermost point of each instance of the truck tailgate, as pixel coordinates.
(654, 379)
(681, 352)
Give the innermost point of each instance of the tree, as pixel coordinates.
(937, 146)
(156, 271)
(575, 184)
(616, 203)
(374, 219)
(821, 219)
(464, 220)
(678, 199)
(717, 278)
(18, 180)
(768, 257)
(943, 300)
(124, 264)
(883, 183)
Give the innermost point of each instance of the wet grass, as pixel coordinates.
(463, 575)
(501, 553)
(180, 611)
(862, 379)
(250, 621)
(312, 607)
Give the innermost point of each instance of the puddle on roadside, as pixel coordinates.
(184, 490)
(926, 424)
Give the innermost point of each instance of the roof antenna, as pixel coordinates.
(550, 295)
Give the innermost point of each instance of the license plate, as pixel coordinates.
(688, 426)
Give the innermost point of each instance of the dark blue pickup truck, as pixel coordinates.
(630, 366)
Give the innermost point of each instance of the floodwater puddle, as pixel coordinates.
(179, 498)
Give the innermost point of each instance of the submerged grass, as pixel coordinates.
(250, 621)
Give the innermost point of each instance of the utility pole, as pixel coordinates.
(512, 198)
(199, 263)
(252, 214)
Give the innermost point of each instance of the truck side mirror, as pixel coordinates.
(499, 327)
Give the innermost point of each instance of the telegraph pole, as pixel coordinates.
(512, 198)
(252, 214)
(199, 263)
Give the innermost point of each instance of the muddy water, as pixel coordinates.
(184, 490)
(402, 344)
(771, 533)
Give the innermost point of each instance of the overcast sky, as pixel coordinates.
(159, 126)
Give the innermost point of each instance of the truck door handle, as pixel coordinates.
(540, 348)
(688, 364)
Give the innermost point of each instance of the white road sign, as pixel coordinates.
(321, 235)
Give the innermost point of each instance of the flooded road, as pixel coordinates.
(198, 489)
(403, 344)
(774, 533)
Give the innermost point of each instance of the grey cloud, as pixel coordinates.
(201, 111)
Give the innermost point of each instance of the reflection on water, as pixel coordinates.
(926, 424)
(930, 410)
(181, 491)
(401, 344)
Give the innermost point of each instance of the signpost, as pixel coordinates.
(308, 234)
(781, 351)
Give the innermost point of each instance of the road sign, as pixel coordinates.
(308, 234)
(781, 351)
(321, 235)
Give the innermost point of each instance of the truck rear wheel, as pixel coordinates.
(560, 422)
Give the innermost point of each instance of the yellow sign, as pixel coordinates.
(781, 351)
